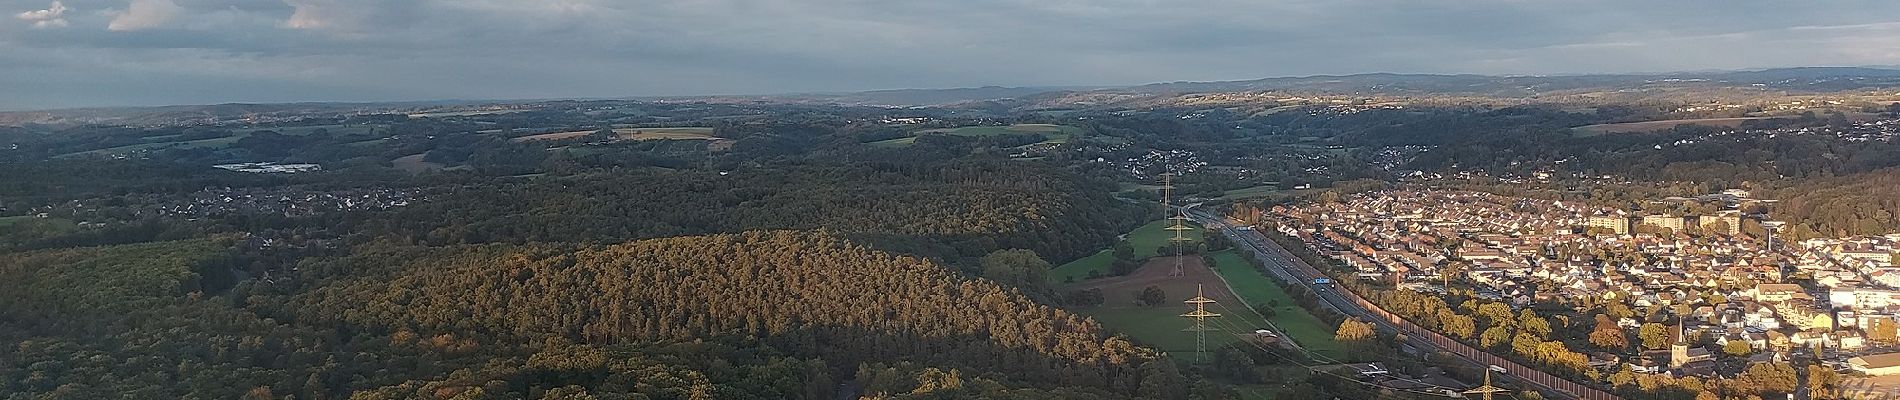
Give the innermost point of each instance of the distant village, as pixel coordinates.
(1835, 298)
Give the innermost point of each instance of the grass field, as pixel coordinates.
(633, 133)
(470, 113)
(167, 141)
(1161, 325)
(36, 225)
(1252, 192)
(664, 133)
(1146, 240)
(552, 136)
(414, 163)
(898, 142)
(332, 129)
(1257, 289)
(1050, 132)
(219, 142)
(1651, 126)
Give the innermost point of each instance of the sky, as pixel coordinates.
(74, 53)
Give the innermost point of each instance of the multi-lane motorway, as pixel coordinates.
(1285, 266)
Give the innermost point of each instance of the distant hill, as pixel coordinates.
(1710, 84)
(1680, 85)
(1818, 79)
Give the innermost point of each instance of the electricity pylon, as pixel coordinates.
(1487, 389)
(1200, 316)
(1178, 219)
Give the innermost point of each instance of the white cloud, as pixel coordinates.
(54, 16)
(308, 15)
(144, 14)
(335, 15)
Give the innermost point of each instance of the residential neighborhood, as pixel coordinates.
(1704, 281)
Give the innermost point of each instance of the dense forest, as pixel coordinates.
(956, 211)
(498, 287)
(653, 319)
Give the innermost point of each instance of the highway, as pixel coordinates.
(1284, 265)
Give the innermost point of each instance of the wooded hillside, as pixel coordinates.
(811, 294)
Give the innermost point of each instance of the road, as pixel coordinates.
(1284, 265)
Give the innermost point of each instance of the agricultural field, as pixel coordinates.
(469, 113)
(665, 133)
(1651, 126)
(1146, 241)
(356, 129)
(1258, 290)
(898, 142)
(713, 143)
(170, 141)
(22, 228)
(414, 163)
(691, 133)
(1161, 325)
(552, 136)
(1252, 192)
(216, 143)
(1052, 134)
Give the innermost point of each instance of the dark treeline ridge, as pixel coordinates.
(1863, 204)
(957, 211)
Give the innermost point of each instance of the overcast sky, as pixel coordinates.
(71, 53)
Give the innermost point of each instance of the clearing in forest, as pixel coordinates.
(1161, 325)
(665, 133)
(414, 163)
(1146, 241)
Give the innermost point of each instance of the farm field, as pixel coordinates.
(552, 136)
(1076, 271)
(219, 142)
(168, 141)
(898, 142)
(354, 129)
(1651, 126)
(1161, 325)
(1252, 192)
(1257, 289)
(469, 113)
(631, 134)
(33, 227)
(1053, 134)
(664, 133)
(414, 163)
(1146, 240)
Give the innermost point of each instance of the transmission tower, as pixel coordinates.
(1487, 389)
(1200, 316)
(1178, 218)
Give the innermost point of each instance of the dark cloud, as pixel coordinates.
(122, 52)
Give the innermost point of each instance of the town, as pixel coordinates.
(1717, 283)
